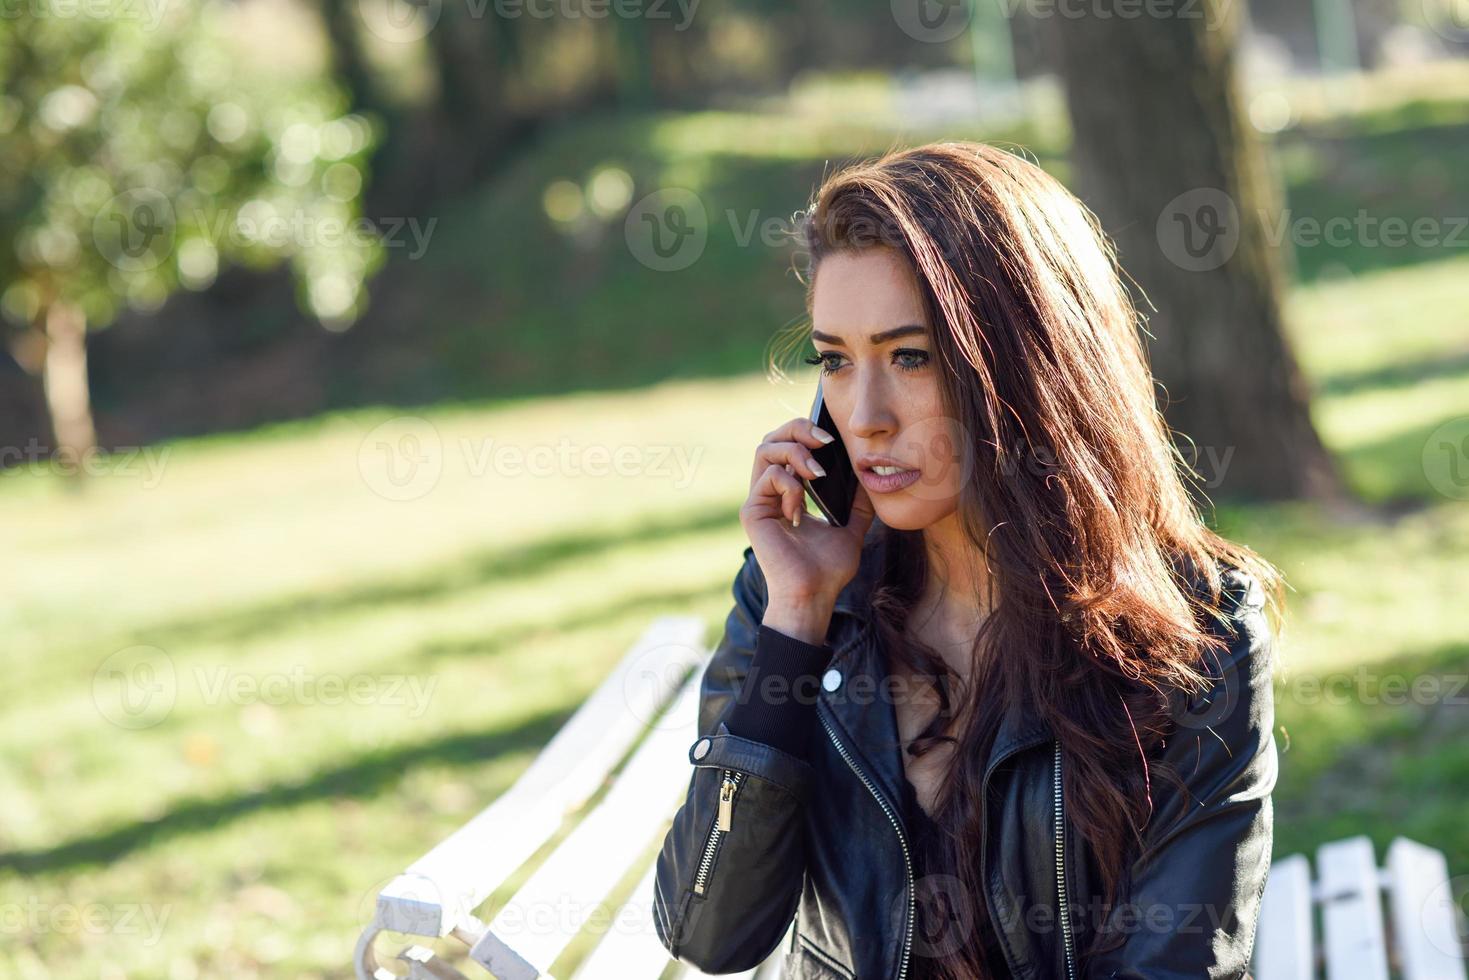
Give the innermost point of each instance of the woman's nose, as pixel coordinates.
(872, 415)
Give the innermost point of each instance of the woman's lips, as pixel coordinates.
(877, 483)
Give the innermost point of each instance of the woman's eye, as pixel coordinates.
(905, 360)
(910, 360)
(827, 361)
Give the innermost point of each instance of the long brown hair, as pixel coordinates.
(1104, 572)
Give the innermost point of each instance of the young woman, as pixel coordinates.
(1015, 718)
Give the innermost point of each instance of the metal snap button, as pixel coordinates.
(702, 747)
(832, 679)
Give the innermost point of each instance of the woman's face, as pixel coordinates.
(880, 379)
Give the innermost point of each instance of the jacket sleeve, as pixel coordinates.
(1195, 888)
(731, 868)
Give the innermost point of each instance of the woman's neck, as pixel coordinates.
(959, 581)
(958, 595)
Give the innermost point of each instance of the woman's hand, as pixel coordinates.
(806, 561)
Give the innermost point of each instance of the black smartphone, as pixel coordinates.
(833, 493)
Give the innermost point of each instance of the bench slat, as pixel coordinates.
(1424, 916)
(634, 952)
(542, 918)
(1283, 945)
(1351, 910)
(450, 881)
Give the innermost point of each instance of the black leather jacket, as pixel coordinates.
(764, 835)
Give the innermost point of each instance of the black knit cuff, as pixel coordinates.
(777, 703)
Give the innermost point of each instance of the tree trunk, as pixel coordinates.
(64, 379)
(1167, 160)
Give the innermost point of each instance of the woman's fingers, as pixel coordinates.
(781, 460)
(801, 430)
(790, 454)
(781, 492)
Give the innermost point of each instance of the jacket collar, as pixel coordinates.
(865, 717)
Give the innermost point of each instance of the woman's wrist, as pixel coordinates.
(805, 621)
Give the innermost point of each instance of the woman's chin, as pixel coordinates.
(907, 514)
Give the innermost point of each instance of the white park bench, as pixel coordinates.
(645, 713)
(1418, 939)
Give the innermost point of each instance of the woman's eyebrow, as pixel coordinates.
(877, 339)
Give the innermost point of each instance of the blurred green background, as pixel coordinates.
(245, 527)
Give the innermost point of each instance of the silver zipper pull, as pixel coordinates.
(726, 802)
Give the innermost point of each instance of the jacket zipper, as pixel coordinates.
(722, 824)
(1064, 910)
(907, 860)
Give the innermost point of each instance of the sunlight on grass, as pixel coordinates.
(506, 571)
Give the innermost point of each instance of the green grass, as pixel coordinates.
(256, 833)
(260, 830)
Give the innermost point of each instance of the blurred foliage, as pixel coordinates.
(138, 155)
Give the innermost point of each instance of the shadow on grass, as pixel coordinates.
(472, 571)
(1399, 375)
(366, 776)
(1395, 759)
(1360, 179)
(1406, 468)
(592, 617)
